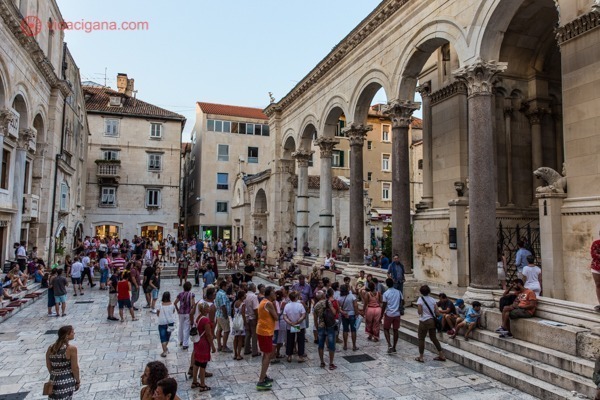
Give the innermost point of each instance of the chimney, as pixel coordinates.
(124, 85)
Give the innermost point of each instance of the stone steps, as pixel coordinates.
(534, 369)
(33, 293)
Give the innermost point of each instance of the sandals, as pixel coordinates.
(440, 359)
(208, 374)
(355, 348)
(419, 360)
(289, 359)
(195, 385)
(332, 367)
(204, 388)
(322, 365)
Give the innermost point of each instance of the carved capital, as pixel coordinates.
(481, 76)
(357, 133)
(400, 112)
(6, 118)
(535, 115)
(326, 145)
(424, 89)
(302, 157)
(26, 136)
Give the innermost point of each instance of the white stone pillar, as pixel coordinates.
(558, 134)
(326, 145)
(459, 254)
(551, 242)
(508, 110)
(302, 213)
(480, 78)
(535, 120)
(25, 135)
(427, 199)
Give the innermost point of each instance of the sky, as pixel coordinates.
(225, 51)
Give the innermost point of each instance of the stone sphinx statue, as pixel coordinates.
(553, 181)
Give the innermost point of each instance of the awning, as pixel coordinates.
(381, 213)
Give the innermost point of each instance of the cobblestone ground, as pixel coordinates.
(112, 356)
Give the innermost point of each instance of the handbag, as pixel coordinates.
(171, 327)
(48, 388)
(194, 334)
(358, 321)
(238, 322)
(438, 323)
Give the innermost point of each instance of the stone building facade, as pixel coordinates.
(133, 164)
(507, 89)
(43, 131)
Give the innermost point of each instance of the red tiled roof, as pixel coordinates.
(232, 111)
(98, 99)
(417, 123)
(314, 182)
(185, 147)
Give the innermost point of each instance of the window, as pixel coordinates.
(235, 127)
(420, 164)
(108, 197)
(111, 127)
(154, 161)
(253, 155)
(153, 198)
(222, 206)
(155, 131)
(385, 162)
(210, 125)
(110, 154)
(223, 152)
(369, 145)
(249, 129)
(257, 129)
(265, 130)
(222, 181)
(226, 126)
(386, 191)
(5, 167)
(218, 126)
(338, 129)
(242, 128)
(310, 160)
(385, 133)
(369, 176)
(64, 194)
(337, 158)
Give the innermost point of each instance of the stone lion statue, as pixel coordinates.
(554, 182)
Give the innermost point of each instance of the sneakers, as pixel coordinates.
(500, 329)
(264, 385)
(506, 335)
(268, 380)
(153, 311)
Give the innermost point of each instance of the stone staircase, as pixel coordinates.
(8, 308)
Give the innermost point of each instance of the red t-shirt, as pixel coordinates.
(123, 290)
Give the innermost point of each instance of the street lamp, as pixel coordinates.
(200, 214)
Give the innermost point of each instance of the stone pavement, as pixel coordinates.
(113, 354)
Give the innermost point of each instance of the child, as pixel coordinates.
(471, 320)
(453, 319)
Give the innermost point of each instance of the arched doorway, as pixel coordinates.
(260, 215)
(152, 231)
(106, 231)
(77, 235)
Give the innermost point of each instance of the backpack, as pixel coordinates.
(329, 316)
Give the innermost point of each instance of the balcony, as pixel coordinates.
(107, 171)
(31, 204)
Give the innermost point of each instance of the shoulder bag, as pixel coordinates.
(438, 323)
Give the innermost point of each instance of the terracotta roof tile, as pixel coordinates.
(314, 182)
(232, 111)
(417, 123)
(98, 99)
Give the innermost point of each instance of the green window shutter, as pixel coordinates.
(342, 158)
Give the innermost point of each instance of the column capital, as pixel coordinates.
(302, 157)
(6, 117)
(424, 89)
(400, 112)
(535, 115)
(480, 77)
(357, 133)
(25, 137)
(326, 145)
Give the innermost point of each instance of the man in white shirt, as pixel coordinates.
(22, 256)
(76, 272)
(390, 312)
(87, 270)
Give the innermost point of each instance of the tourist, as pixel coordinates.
(123, 297)
(166, 321)
(155, 286)
(305, 294)
(595, 268)
(532, 275)
(63, 366)
(209, 277)
(306, 250)
(521, 258)
(281, 297)
(60, 284)
(385, 262)
(21, 255)
(154, 372)
(340, 245)
(390, 312)
(427, 310)
(325, 322)
(315, 278)
(523, 307)
(148, 274)
(87, 269)
(360, 281)
(445, 307)
(113, 283)
(294, 314)
(183, 304)
(329, 262)
(103, 264)
(502, 268)
(163, 251)
(470, 322)
(203, 347)
(166, 389)
(183, 267)
(349, 311)
(249, 270)
(265, 329)
(252, 304)
(457, 317)
(51, 298)
(372, 312)
(223, 307)
(155, 249)
(76, 272)
(239, 311)
(136, 281)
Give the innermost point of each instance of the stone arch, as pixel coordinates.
(4, 85)
(39, 123)
(77, 233)
(307, 132)
(335, 107)
(20, 104)
(363, 94)
(260, 202)
(289, 146)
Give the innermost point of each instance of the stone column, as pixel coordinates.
(508, 110)
(400, 112)
(25, 135)
(480, 78)
(535, 120)
(427, 200)
(357, 134)
(551, 240)
(326, 145)
(6, 117)
(558, 134)
(302, 158)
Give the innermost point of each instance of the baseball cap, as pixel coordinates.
(459, 302)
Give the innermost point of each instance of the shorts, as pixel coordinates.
(349, 324)
(391, 322)
(223, 323)
(519, 313)
(265, 343)
(112, 299)
(327, 334)
(163, 332)
(124, 303)
(154, 294)
(147, 289)
(200, 364)
(76, 281)
(501, 274)
(60, 299)
(104, 275)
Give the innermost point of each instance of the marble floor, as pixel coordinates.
(113, 354)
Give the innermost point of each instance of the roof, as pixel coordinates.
(314, 182)
(232, 111)
(97, 101)
(186, 147)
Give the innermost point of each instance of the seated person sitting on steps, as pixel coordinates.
(522, 307)
(470, 322)
(289, 254)
(457, 317)
(306, 250)
(445, 307)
